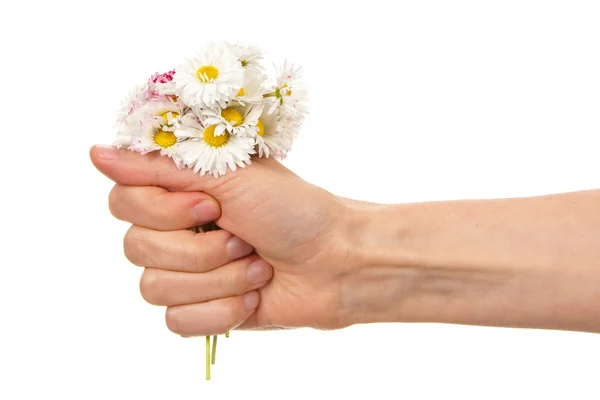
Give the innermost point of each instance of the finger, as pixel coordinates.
(171, 288)
(156, 208)
(213, 317)
(133, 169)
(184, 250)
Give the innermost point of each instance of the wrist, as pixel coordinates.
(398, 272)
(380, 275)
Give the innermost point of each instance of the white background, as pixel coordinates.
(411, 101)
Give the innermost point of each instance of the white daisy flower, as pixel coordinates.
(130, 103)
(152, 128)
(276, 132)
(212, 77)
(162, 109)
(290, 92)
(236, 120)
(254, 88)
(208, 153)
(248, 56)
(159, 87)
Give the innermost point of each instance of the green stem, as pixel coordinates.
(212, 226)
(274, 94)
(227, 334)
(208, 358)
(214, 349)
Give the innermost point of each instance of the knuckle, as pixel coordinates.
(164, 213)
(115, 202)
(173, 320)
(237, 281)
(134, 246)
(152, 287)
(197, 260)
(208, 251)
(233, 310)
(225, 283)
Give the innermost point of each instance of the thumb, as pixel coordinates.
(133, 169)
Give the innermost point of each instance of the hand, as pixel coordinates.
(297, 228)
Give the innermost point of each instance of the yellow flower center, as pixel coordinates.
(207, 73)
(165, 139)
(215, 141)
(169, 116)
(240, 93)
(288, 92)
(232, 115)
(261, 128)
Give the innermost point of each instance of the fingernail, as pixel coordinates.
(251, 300)
(107, 152)
(237, 248)
(205, 211)
(258, 272)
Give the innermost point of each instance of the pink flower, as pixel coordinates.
(160, 85)
(162, 78)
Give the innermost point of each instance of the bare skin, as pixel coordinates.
(294, 255)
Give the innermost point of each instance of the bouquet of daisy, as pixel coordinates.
(213, 113)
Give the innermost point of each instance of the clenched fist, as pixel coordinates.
(279, 260)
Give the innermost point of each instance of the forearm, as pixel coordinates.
(527, 262)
